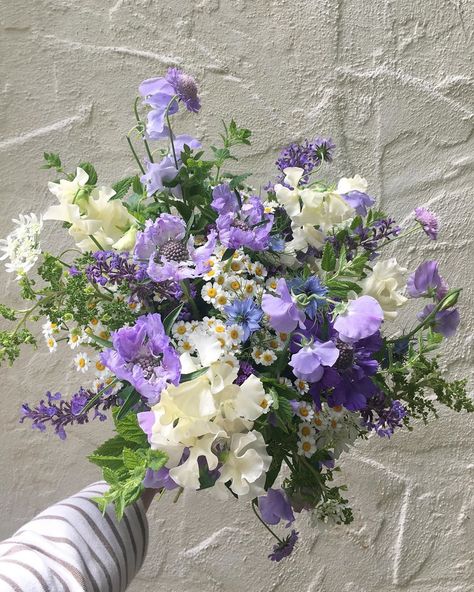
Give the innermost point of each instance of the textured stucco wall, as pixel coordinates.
(390, 81)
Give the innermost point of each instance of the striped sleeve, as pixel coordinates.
(72, 547)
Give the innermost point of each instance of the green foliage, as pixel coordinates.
(90, 170)
(122, 187)
(328, 262)
(10, 342)
(124, 460)
(171, 318)
(7, 313)
(52, 162)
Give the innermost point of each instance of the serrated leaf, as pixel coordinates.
(170, 319)
(90, 170)
(131, 459)
(121, 187)
(193, 375)
(129, 429)
(238, 179)
(137, 186)
(328, 262)
(156, 459)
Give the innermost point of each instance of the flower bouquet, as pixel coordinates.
(241, 340)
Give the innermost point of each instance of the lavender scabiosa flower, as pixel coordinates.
(59, 413)
(381, 416)
(170, 256)
(241, 225)
(428, 221)
(143, 356)
(246, 314)
(324, 148)
(285, 547)
(163, 95)
(426, 282)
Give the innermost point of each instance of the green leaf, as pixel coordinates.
(90, 170)
(130, 399)
(228, 253)
(121, 187)
(100, 341)
(52, 161)
(156, 459)
(273, 471)
(193, 375)
(137, 187)
(328, 262)
(129, 429)
(111, 448)
(131, 459)
(238, 180)
(170, 319)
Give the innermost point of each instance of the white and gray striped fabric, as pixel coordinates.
(71, 547)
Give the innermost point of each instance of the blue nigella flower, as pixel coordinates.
(246, 314)
(311, 286)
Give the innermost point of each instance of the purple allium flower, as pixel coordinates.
(170, 256)
(283, 312)
(143, 356)
(284, 548)
(274, 506)
(427, 282)
(445, 321)
(310, 287)
(308, 363)
(382, 416)
(246, 314)
(159, 94)
(363, 317)
(306, 156)
(359, 201)
(428, 221)
(241, 226)
(60, 413)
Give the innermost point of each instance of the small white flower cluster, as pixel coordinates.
(235, 279)
(228, 337)
(22, 246)
(330, 511)
(334, 428)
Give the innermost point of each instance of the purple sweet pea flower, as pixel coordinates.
(308, 363)
(284, 314)
(170, 256)
(157, 173)
(275, 507)
(143, 356)
(427, 282)
(159, 479)
(428, 221)
(159, 94)
(359, 201)
(362, 318)
(246, 226)
(445, 321)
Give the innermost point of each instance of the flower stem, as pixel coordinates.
(135, 154)
(139, 121)
(170, 131)
(191, 301)
(254, 504)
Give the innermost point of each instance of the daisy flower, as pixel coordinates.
(52, 344)
(235, 334)
(180, 329)
(209, 293)
(306, 447)
(268, 357)
(305, 411)
(306, 431)
(82, 362)
(301, 386)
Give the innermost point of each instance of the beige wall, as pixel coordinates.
(391, 82)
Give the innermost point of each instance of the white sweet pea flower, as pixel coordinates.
(325, 210)
(385, 284)
(290, 198)
(245, 465)
(68, 191)
(347, 184)
(304, 237)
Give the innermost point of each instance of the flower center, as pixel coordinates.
(240, 224)
(148, 365)
(187, 86)
(173, 250)
(346, 355)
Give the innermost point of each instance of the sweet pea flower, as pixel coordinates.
(275, 507)
(308, 363)
(445, 321)
(427, 282)
(283, 312)
(385, 284)
(362, 318)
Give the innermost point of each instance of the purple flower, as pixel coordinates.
(143, 356)
(324, 148)
(159, 94)
(428, 221)
(275, 507)
(359, 201)
(245, 370)
(246, 314)
(427, 282)
(158, 173)
(285, 547)
(159, 479)
(241, 226)
(308, 363)
(445, 321)
(306, 156)
(283, 313)
(383, 417)
(170, 256)
(363, 317)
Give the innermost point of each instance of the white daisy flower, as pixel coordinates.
(180, 329)
(52, 344)
(305, 411)
(235, 334)
(222, 299)
(301, 386)
(257, 354)
(233, 283)
(209, 292)
(76, 337)
(230, 360)
(306, 447)
(318, 420)
(272, 284)
(268, 357)
(101, 370)
(286, 381)
(82, 362)
(249, 288)
(265, 403)
(306, 430)
(49, 328)
(259, 270)
(184, 345)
